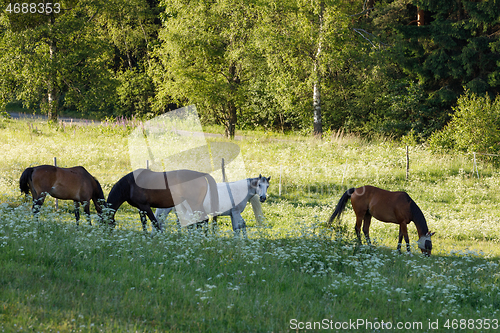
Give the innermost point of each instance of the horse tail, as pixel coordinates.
(25, 179)
(418, 217)
(98, 195)
(341, 205)
(214, 194)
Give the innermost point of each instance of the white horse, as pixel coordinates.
(233, 198)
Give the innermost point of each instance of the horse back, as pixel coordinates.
(74, 183)
(167, 189)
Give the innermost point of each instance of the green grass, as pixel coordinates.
(56, 277)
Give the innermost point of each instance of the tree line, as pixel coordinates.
(369, 66)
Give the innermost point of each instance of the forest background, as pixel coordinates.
(421, 69)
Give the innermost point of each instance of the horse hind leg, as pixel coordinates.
(366, 227)
(77, 212)
(37, 204)
(86, 209)
(142, 214)
(357, 228)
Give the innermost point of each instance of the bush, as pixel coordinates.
(474, 127)
(135, 94)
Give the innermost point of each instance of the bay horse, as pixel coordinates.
(145, 189)
(386, 206)
(233, 198)
(74, 183)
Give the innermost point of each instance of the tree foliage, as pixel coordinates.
(55, 59)
(204, 57)
(474, 126)
(454, 46)
(384, 66)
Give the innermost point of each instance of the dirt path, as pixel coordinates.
(66, 120)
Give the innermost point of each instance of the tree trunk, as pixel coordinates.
(231, 115)
(318, 122)
(52, 98)
(231, 119)
(420, 17)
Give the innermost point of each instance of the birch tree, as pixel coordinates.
(301, 40)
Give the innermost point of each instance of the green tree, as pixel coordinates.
(442, 46)
(131, 27)
(55, 59)
(304, 43)
(135, 94)
(203, 57)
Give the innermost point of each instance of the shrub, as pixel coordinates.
(474, 127)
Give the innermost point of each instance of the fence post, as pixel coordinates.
(223, 171)
(474, 166)
(57, 201)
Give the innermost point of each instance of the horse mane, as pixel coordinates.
(98, 190)
(418, 217)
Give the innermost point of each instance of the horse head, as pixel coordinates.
(425, 243)
(262, 187)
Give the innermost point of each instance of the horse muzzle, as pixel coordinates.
(427, 248)
(427, 253)
(263, 198)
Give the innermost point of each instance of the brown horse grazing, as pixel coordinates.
(386, 206)
(144, 189)
(75, 184)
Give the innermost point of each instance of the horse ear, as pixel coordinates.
(268, 179)
(430, 234)
(260, 176)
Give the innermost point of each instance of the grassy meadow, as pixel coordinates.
(290, 274)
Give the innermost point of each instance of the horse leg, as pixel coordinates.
(214, 224)
(204, 225)
(238, 222)
(77, 212)
(98, 204)
(357, 228)
(403, 232)
(407, 239)
(142, 214)
(153, 219)
(86, 209)
(177, 220)
(400, 239)
(37, 204)
(366, 227)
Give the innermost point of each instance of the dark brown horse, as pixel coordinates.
(386, 206)
(75, 184)
(144, 189)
